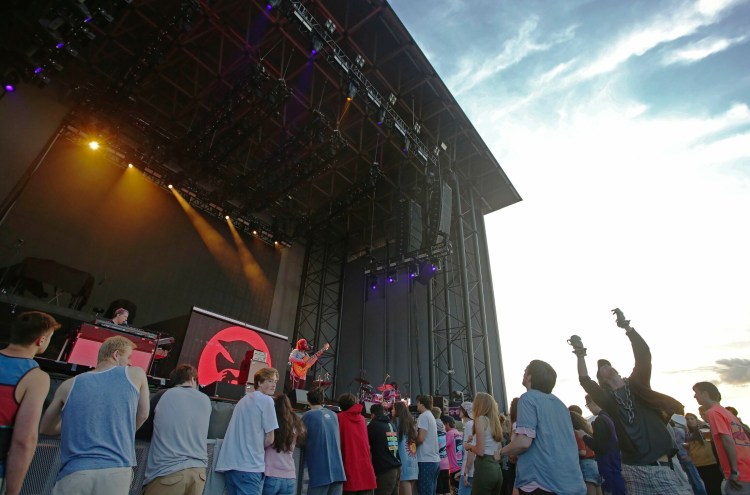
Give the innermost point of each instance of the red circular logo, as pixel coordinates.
(220, 360)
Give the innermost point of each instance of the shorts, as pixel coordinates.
(590, 472)
(112, 481)
(443, 484)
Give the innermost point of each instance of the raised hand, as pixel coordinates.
(577, 344)
(621, 321)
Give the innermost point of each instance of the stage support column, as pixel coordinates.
(465, 289)
(480, 296)
(448, 333)
(430, 336)
(319, 308)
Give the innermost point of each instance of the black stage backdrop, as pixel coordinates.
(137, 241)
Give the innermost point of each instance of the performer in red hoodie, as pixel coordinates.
(355, 447)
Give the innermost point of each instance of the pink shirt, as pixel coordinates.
(454, 454)
(280, 464)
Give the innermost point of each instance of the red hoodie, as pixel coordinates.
(355, 450)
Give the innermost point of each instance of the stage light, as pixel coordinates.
(351, 90)
(60, 45)
(130, 165)
(10, 79)
(94, 145)
(360, 61)
(272, 4)
(381, 116)
(413, 271)
(37, 70)
(330, 26)
(392, 276)
(170, 186)
(407, 145)
(255, 232)
(275, 243)
(226, 217)
(317, 45)
(372, 281)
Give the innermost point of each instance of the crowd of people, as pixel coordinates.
(637, 443)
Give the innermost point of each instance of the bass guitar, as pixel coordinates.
(300, 370)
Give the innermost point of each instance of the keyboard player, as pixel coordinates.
(121, 317)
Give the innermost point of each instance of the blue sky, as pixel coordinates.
(625, 126)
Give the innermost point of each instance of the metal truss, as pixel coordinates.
(319, 307)
(458, 321)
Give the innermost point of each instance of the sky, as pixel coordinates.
(625, 127)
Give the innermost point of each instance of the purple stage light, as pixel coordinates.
(87, 19)
(434, 268)
(269, 6)
(314, 51)
(59, 45)
(412, 275)
(10, 88)
(37, 70)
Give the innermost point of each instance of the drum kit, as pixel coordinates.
(385, 394)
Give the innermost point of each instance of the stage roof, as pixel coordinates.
(226, 96)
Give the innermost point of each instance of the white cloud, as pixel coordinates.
(682, 21)
(701, 49)
(476, 70)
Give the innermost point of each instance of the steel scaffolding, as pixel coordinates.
(456, 303)
(319, 307)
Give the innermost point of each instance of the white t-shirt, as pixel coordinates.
(243, 450)
(428, 451)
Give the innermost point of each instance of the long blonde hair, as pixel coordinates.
(485, 405)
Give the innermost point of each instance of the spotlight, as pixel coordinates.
(255, 232)
(381, 116)
(330, 26)
(413, 271)
(407, 145)
(94, 145)
(10, 79)
(275, 243)
(392, 276)
(372, 281)
(130, 165)
(226, 217)
(317, 45)
(360, 61)
(351, 90)
(170, 186)
(272, 4)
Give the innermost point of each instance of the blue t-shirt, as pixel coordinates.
(552, 459)
(243, 448)
(323, 448)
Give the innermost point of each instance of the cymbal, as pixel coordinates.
(362, 381)
(385, 387)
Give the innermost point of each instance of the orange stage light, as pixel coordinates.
(94, 145)
(170, 186)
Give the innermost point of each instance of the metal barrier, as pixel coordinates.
(46, 464)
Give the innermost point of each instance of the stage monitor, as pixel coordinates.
(217, 345)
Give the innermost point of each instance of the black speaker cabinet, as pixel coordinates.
(223, 390)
